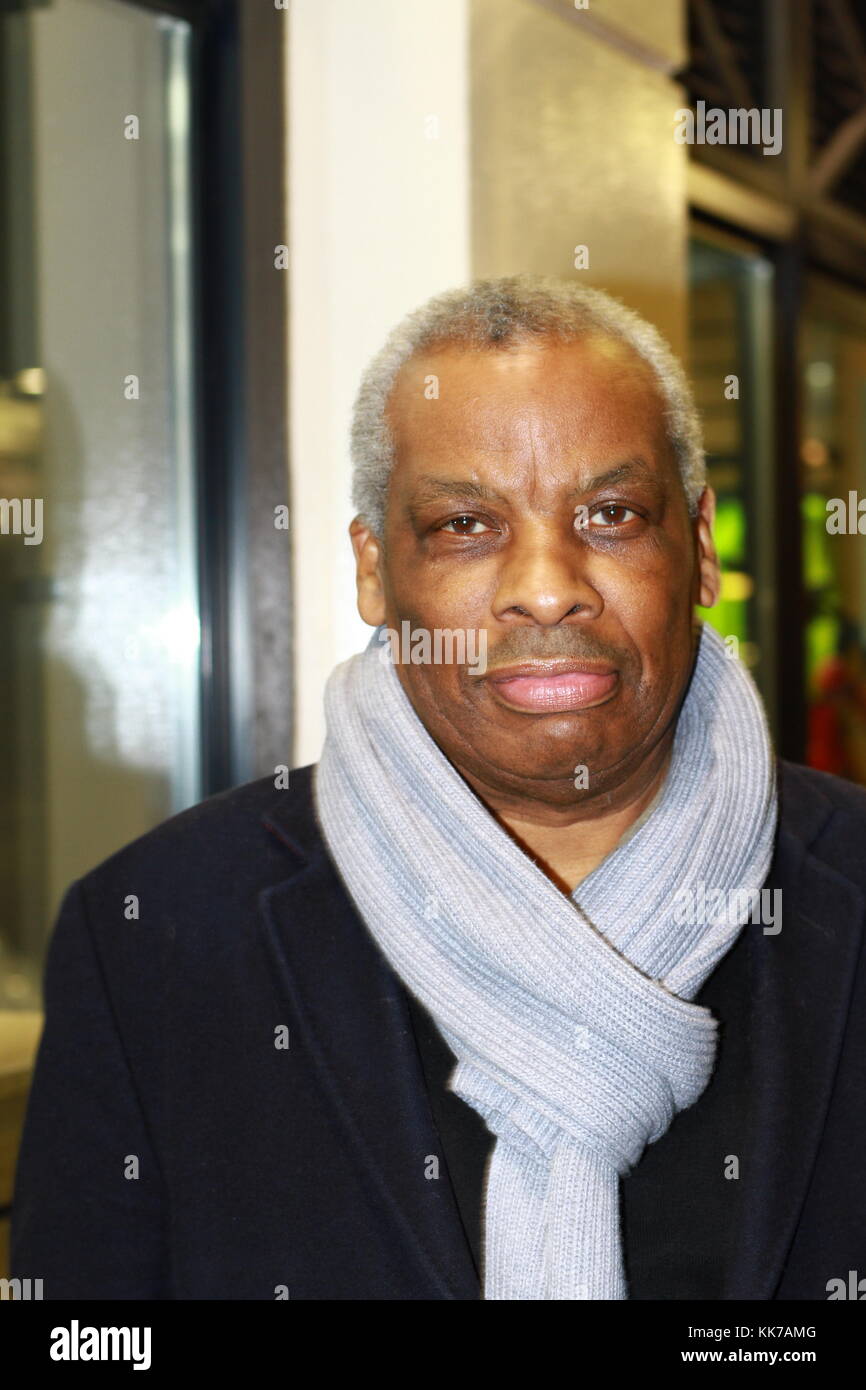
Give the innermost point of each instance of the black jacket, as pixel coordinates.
(266, 1171)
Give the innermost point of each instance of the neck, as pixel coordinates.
(568, 843)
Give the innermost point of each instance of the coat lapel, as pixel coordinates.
(352, 1019)
(800, 985)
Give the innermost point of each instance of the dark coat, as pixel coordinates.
(265, 1170)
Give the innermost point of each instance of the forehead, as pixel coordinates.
(547, 401)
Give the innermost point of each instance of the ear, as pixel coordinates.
(368, 572)
(708, 580)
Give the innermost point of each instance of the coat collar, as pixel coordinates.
(356, 1027)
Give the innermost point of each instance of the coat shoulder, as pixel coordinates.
(826, 812)
(232, 842)
(807, 782)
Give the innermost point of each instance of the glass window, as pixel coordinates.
(99, 615)
(833, 488)
(730, 349)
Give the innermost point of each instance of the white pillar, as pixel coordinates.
(378, 192)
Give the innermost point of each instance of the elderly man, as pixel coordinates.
(437, 1021)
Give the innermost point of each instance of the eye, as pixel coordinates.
(612, 512)
(459, 528)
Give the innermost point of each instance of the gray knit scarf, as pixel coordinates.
(569, 1017)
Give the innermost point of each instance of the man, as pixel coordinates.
(497, 1000)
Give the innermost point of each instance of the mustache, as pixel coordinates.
(528, 644)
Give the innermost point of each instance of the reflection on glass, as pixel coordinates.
(730, 362)
(99, 622)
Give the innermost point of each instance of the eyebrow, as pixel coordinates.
(431, 489)
(629, 468)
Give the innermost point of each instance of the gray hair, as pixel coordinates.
(498, 314)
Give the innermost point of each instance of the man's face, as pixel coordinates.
(537, 500)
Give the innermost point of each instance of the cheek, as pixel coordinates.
(438, 697)
(452, 596)
(650, 614)
(650, 607)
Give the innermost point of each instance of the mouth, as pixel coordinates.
(551, 687)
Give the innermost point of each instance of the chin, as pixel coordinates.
(551, 768)
(555, 742)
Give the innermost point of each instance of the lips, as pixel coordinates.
(553, 687)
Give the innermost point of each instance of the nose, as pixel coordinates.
(544, 576)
